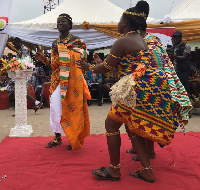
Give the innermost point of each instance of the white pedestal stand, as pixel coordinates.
(21, 128)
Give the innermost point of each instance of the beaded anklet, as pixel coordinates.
(115, 167)
(112, 134)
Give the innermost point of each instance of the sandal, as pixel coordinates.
(131, 151)
(108, 176)
(140, 176)
(69, 147)
(36, 108)
(55, 142)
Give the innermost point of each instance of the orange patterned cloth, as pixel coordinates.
(139, 71)
(74, 91)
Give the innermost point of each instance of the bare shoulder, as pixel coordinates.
(120, 42)
(118, 47)
(122, 39)
(125, 42)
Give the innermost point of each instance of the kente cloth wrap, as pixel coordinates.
(73, 89)
(153, 113)
(160, 59)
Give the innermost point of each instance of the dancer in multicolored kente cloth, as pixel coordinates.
(160, 59)
(141, 99)
(69, 91)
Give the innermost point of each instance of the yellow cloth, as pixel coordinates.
(75, 116)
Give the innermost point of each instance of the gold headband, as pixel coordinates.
(136, 14)
(65, 17)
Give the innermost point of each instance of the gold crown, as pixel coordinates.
(136, 14)
(65, 17)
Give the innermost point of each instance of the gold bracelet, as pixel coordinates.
(91, 68)
(114, 56)
(105, 64)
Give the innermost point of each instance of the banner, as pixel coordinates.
(4, 20)
(165, 34)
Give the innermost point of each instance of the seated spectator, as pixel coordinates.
(3, 66)
(39, 77)
(100, 83)
(24, 53)
(110, 78)
(3, 74)
(10, 56)
(94, 82)
(195, 83)
(196, 105)
(195, 77)
(11, 87)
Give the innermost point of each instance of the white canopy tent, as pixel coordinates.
(45, 37)
(186, 10)
(41, 30)
(185, 17)
(92, 11)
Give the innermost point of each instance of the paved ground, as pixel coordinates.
(40, 121)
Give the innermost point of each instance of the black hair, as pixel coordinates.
(137, 22)
(68, 17)
(16, 40)
(143, 6)
(177, 34)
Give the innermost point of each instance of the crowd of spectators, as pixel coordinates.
(40, 75)
(99, 85)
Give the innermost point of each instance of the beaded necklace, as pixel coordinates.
(130, 32)
(65, 40)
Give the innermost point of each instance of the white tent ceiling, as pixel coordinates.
(186, 10)
(92, 11)
(41, 30)
(45, 37)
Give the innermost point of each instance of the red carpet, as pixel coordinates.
(27, 164)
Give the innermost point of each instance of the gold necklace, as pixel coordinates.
(66, 40)
(130, 32)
